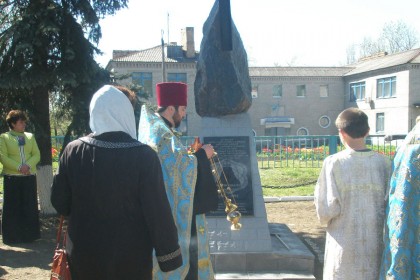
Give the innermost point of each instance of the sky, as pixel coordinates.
(274, 32)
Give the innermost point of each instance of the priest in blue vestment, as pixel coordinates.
(189, 183)
(401, 258)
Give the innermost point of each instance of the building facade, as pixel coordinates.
(296, 100)
(292, 100)
(387, 88)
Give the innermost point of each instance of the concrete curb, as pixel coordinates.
(268, 199)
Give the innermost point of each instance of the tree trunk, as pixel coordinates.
(43, 138)
(44, 180)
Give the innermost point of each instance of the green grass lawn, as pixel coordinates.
(288, 181)
(275, 177)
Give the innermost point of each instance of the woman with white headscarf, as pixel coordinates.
(111, 188)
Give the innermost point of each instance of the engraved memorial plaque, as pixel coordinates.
(234, 156)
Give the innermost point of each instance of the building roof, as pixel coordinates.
(379, 61)
(384, 60)
(298, 71)
(173, 53)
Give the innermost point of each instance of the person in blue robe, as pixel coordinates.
(189, 183)
(401, 258)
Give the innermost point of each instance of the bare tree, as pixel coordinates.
(398, 37)
(351, 54)
(369, 47)
(395, 37)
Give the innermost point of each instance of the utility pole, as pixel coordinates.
(163, 59)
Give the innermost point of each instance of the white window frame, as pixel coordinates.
(323, 91)
(357, 91)
(277, 91)
(380, 122)
(302, 129)
(386, 87)
(323, 118)
(254, 91)
(301, 91)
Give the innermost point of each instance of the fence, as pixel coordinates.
(294, 151)
(310, 151)
(57, 141)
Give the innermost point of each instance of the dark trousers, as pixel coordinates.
(20, 218)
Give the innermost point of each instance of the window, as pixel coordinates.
(254, 91)
(301, 91)
(380, 122)
(386, 87)
(357, 91)
(143, 79)
(177, 77)
(324, 121)
(323, 91)
(302, 131)
(277, 91)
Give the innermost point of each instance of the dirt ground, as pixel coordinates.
(33, 261)
(300, 217)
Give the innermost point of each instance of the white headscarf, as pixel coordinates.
(110, 110)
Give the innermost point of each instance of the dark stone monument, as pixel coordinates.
(222, 84)
(222, 92)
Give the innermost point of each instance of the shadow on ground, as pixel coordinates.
(20, 260)
(316, 245)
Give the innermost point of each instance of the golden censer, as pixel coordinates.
(231, 207)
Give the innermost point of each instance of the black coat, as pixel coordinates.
(118, 210)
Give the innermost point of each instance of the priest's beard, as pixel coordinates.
(177, 119)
